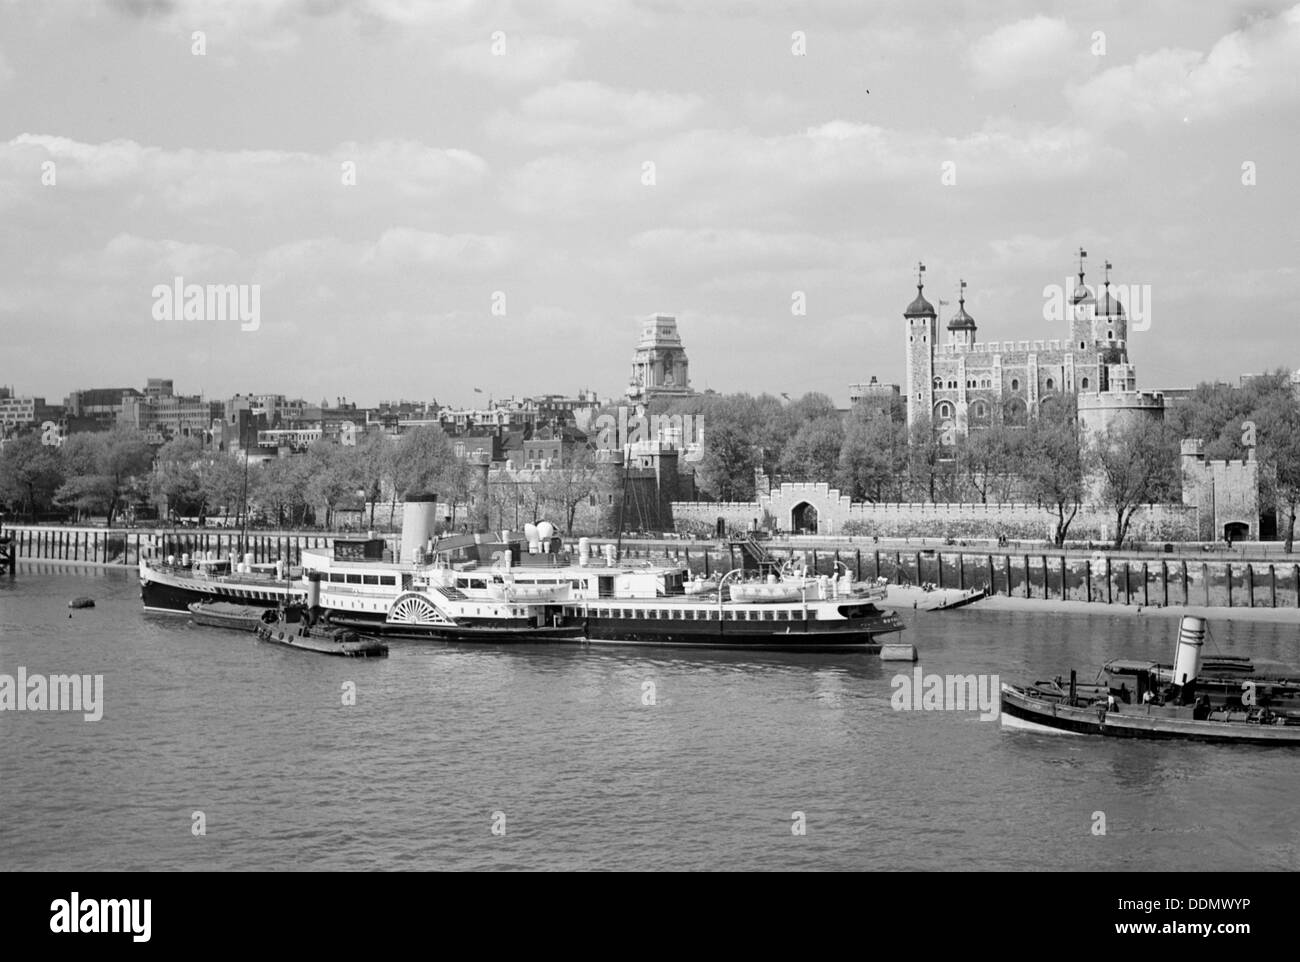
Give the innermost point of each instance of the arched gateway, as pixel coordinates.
(803, 518)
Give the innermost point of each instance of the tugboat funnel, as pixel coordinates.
(1187, 660)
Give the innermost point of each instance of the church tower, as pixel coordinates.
(922, 332)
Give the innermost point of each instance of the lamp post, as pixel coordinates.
(734, 571)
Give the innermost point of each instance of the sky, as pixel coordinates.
(429, 198)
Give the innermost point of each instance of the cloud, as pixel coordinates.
(1253, 65)
(705, 174)
(526, 58)
(708, 251)
(1022, 51)
(591, 113)
(397, 250)
(264, 183)
(128, 255)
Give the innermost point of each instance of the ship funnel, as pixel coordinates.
(419, 515)
(1187, 660)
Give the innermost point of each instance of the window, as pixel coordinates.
(387, 580)
(938, 384)
(1050, 384)
(336, 577)
(1110, 335)
(354, 579)
(1082, 345)
(945, 410)
(1084, 384)
(1015, 384)
(979, 409)
(370, 579)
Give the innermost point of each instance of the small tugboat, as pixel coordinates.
(1161, 703)
(296, 627)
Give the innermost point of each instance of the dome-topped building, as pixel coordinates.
(964, 384)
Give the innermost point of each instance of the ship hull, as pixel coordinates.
(489, 631)
(171, 592)
(863, 636)
(749, 636)
(1019, 710)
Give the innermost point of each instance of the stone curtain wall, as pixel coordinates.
(837, 515)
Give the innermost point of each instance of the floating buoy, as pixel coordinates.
(82, 602)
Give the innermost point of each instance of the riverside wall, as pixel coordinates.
(1119, 578)
(837, 515)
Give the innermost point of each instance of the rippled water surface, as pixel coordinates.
(558, 739)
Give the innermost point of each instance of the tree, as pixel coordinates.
(334, 478)
(281, 486)
(223, 484)
(1054, 465)
(374, 455)
(84, 488)
(925, 453)
(1277, 424)
(1136, 464)
(103, 468)
(989, 457)
(176, 483)
(872, 459)
(30, 473)
(419, 462)
(726, 470)
(570, 484)
(813, 453)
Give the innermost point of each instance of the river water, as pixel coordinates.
(557, 748)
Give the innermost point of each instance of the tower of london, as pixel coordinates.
(964, 384)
